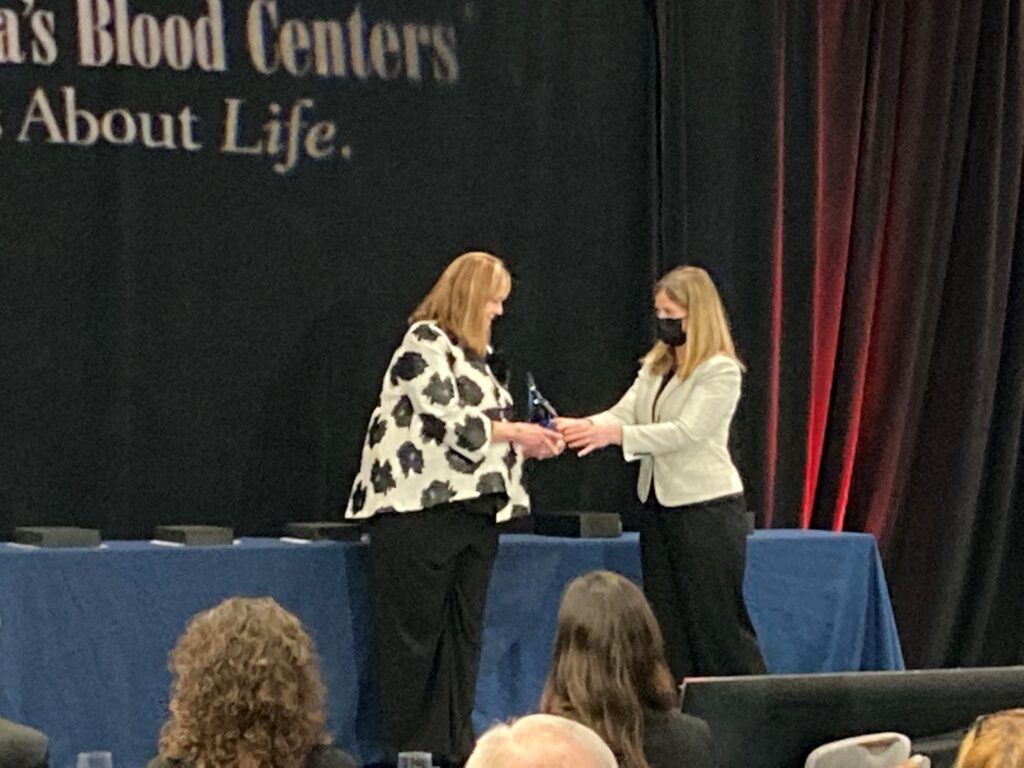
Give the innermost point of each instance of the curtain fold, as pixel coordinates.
(871, 260)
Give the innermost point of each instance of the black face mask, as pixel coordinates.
(670, 331)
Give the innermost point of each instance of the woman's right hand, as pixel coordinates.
(563, 424)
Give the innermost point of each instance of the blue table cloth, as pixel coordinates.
(85, 634)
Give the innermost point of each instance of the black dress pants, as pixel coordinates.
(429, 572)
(693, 560)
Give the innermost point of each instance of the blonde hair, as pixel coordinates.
(994, 741)
(457, 300)
(707, 330)
(246, 689)
(609, 663)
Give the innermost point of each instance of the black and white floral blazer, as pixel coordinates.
(428, 441)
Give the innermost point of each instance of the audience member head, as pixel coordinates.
(994, 741)
(541, 741)
(609, 663)
(246, 689)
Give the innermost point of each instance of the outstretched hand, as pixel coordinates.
(585, 437)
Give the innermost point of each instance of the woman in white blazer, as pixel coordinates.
(442, 462)
(675, 421)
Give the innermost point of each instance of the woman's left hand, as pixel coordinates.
(537, 442)
(585, 437)
(543, 451)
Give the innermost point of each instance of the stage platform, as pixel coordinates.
(85, 634)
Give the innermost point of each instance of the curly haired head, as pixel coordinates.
(246, 690)
(994, 741)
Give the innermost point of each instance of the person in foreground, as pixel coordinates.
(675, 420)
(22, 747)
(994, 741)
(441, 464)
(541, 741)
(246, 693)
(609, 673)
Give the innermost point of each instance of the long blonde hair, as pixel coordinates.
(994, 741)
(707, 330)
(608, 663)
(246, 689)
(457, 300)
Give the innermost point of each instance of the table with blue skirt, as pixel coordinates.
(85, 633)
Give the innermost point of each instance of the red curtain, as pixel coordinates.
(867, 243)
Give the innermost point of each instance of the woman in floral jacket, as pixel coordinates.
(441, 464)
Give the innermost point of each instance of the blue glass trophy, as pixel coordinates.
(538, 409)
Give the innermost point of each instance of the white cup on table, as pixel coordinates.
(95, 760)
(415, 760)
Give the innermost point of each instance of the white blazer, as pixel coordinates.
(682, 443)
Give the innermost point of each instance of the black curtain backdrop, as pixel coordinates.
(192, 337)
(851, 173)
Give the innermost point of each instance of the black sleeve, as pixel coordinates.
(680, 740)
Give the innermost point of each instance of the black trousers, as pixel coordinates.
(429, 572)
(693, 560)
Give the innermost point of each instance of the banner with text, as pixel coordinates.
(217, 215)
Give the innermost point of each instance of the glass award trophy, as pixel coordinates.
(538, 409)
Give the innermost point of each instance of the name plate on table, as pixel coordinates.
(578, 525)
(318, 531)
(57, 536)
(196, 535)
